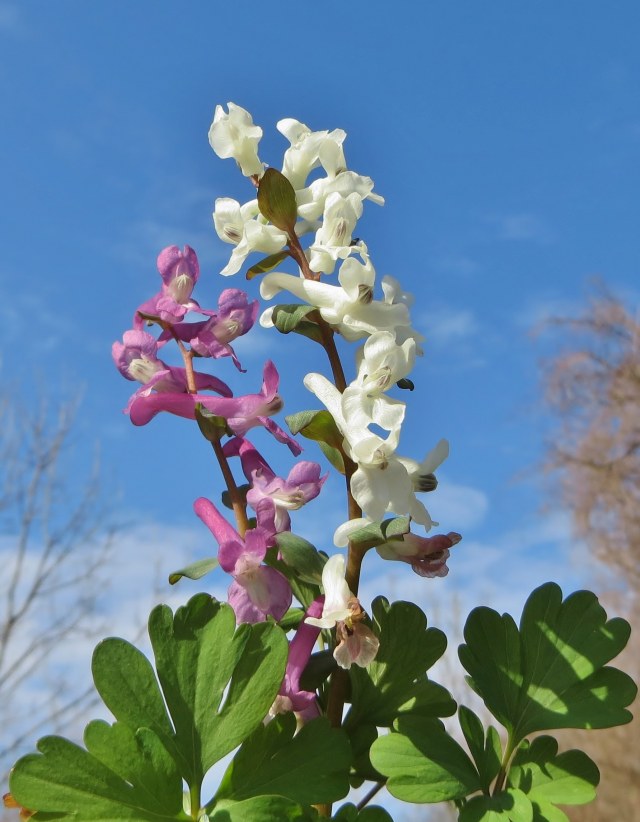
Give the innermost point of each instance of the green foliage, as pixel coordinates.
(311, 767)
(423, 763)
(216, 685)
(550, 673)
(508, 806)
(486, 749)
(551, 779)
(277, 200)
(396, 682)
(372, 813)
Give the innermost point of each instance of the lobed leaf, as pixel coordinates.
(311, 767)
(509, 806)
(422, 763)
(549, 673)
(396, 682)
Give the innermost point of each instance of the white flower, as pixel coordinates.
(312, 200)
(336, 594)
(357, 644)
(394, 295)
(421, 473)
(382, 364)
(349, 307)
(333, 238)
(235, 135)
(309, 149)
(243, 227)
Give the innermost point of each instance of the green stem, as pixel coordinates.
(504, 766)
(194, 801)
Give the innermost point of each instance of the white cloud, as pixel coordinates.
(520, 227)
(445, 325)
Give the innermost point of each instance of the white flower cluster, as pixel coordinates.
(330, 206)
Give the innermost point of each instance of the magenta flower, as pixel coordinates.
(290, 696)
(257, 591)
(241, 413)
(179, 271)
(212, 337)
(427, 555)
(272, 497)
(136, 359)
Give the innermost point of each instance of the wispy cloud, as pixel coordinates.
(520, 227)
(445, 325)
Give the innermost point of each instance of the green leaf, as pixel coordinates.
(195, 570)
(305, 592)
(549, 674)
(212, 427)
(509, 806)
(311, 767)
(423, 763)
(291, 619)
(263, 809)
(486, 751)
(218, 683)
(377, 533)
(550, 779)
(266, 264)
(198, 657)
(372, 813)
(396, 682)
(277, 200)
(296, 317)
(302, 556)
(143, 785)
(319, 668)
(242, 493)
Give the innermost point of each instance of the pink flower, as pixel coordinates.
(427, 555)
(179, 271)
(257, 591)
(241, 413)
(272, 497)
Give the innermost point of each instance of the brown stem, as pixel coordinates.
(237, 503)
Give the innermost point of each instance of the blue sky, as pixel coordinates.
(504, 137)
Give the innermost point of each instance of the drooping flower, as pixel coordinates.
(179, 271)
(257, 591)
(243, 227)
(310, 149)
(357, 644)
(427, 555)
(348, 307)
(382, 363)
(291, 697)
(333, 239)
(136, 359)
(270, 496)
(212, 337)
(241, 413)
(235, 135)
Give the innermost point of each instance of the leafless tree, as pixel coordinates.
(593, 390)
(53, 549)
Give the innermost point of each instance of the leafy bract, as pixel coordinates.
(377, 533)
(133, 770)
(551, 672)
(321, 427)
(395, 682)
(277, 200)
(196, 570)
(302, 556)
(288, 317)
(423, 763)
(266, 264)
(550, 779)
(311, 767)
